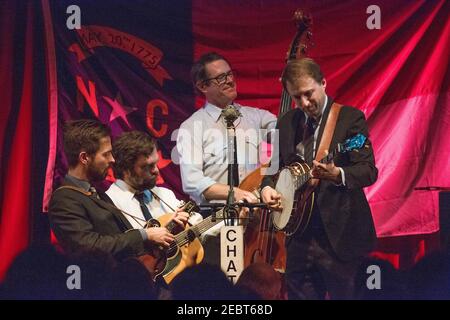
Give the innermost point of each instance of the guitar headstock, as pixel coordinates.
(189, 206)
(354, 143)
(302, 39)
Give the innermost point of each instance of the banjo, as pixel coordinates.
(297, 196)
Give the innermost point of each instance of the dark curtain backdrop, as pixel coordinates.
(128, 66)
(23, 128)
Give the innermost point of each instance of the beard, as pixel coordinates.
(95, 173)
(142, 184)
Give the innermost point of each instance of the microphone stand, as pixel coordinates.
(229, 211)
(214, 207)
(231, 208)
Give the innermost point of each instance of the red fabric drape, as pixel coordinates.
(16, 161)
(397, 75)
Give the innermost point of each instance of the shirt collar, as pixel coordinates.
(83, 184)
(215, 112)
(130, 191)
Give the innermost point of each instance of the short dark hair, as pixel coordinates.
(82, 135)
(198, 70)
(128, 147)
(295, 69)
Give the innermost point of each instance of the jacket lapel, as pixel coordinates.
(106, 203)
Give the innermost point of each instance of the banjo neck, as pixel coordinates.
(356, 142)
(304, 177)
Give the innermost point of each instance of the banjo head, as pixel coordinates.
(286, 187)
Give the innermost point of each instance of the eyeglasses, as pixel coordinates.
(221, 78)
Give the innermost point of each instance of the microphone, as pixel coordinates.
(230, 113)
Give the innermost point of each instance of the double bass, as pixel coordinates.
(263, 242)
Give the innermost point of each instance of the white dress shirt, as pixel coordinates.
(123, 197)
(202, 148)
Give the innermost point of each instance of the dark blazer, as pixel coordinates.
(344, 210)
(84, 223)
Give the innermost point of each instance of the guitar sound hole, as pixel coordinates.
(191, 235)
(171, 251)
(154, 223)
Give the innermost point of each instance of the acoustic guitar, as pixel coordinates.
(185, 251)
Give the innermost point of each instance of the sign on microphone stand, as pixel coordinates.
(232, 251)
(231, 235)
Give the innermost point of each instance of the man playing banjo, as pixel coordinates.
(322, 259)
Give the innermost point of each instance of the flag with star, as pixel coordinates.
(131, 74)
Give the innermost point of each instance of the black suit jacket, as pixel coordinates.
(344, 210)
(84, 223)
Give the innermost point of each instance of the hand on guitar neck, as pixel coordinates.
(180, 217)
(161, 235)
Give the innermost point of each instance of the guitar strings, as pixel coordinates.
(201, 227)
(181, 238)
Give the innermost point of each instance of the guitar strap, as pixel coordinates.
(106, 204)
(327, 135)
(86, 193)
(110, 206)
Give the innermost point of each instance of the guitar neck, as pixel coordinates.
(197, 230)
(189, 208)
(356, 142)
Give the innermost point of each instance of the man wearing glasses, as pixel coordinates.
(202, 142)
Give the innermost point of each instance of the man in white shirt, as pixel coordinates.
(135, 192)
(202, 141)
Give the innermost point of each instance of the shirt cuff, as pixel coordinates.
(143, 234)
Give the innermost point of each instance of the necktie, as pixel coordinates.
(234, 167)
(93, 191)
(140, 197)
(308, 139)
